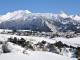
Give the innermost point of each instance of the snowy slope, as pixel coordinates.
(75, 17)
(14, 15)
(13, 47)
(37, 55)
(24, 13)
(17, 51)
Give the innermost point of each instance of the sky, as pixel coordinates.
(40, 6)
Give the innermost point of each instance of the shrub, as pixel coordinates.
(51, 47)
(72, 47)
(66, 45)
(10, 39)
(27, 42)
(78, 53)
(67, 36)
(60, 49)
(41, 45)
(15, 40)
(22, 39)
(5, 48)
(1, 42)
(78, 48)
(31, 47)
(22, 42)
(59, 44)
(43, 42)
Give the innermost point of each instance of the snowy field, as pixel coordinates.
(36, 55)
(70, 41)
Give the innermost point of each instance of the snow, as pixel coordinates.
(5, 30)
(24, 30)
(45, 19)
(37, 55)
(35, 39)
(24, 14)
(63, 14)
(71, 41)
(14, 15)
(1, 51)
(66, 52)
(17, 51)
(13, 47)
(1, 30)
(76, 18)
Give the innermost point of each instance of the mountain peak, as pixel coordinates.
(19, 11)
(15, 15)
(61, 12)
(23, 11)
(27, 11)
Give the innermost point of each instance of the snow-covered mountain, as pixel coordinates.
(14, 15)
(24, 19)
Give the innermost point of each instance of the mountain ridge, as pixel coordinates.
(24, 19)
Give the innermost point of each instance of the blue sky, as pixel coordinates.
(40, 6)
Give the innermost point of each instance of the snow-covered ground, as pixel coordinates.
(37, 55)
(34, 39)
(17, 54)
(71, 41)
